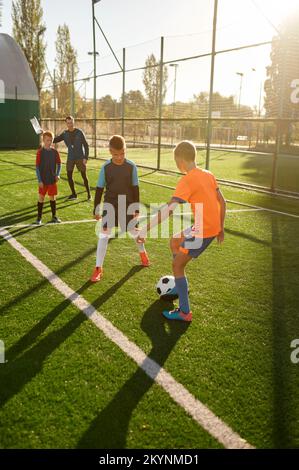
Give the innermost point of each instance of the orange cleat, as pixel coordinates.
(97, 275)
(144, 259)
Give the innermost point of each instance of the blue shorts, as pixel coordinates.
(194, 246)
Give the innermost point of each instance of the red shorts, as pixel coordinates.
(50, 189)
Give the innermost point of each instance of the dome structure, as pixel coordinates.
(19, 100)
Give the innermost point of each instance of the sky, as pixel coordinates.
(186, 25)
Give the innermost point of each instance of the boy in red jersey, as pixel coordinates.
(48, 167)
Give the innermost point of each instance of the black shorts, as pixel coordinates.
(114, 221)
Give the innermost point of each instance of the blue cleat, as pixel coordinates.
(177, 314)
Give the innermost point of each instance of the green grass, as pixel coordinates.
(233, 166)
(66, 385)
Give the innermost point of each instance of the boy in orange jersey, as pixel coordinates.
(200, 189)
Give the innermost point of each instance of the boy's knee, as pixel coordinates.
(174, 244)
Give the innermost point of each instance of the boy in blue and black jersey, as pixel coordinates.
(118, 178)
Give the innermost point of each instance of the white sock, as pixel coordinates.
(102, 249)
(140, 246)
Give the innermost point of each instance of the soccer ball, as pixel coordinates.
(166, 288)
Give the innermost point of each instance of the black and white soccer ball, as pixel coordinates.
(166, 288)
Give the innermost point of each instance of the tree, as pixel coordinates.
(67, 68)
(151, 81)
(108, 107)
(282, 71)
(27, 18)
(135, 104)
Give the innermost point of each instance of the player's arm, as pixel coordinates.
(85, 146)
(59, 138)
(163, 214)
(58, 166)
(222, 203)
(37, 169)
(135, 188)
(99, 193)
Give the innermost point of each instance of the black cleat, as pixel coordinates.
(38, 222)
(72, 197)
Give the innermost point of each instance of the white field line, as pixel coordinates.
(67, 222)
(197, 410)
(88, 221)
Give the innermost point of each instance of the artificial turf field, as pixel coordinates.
(244, 167)
(66, 385)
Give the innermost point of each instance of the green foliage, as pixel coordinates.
(67, 68)
(151, 82)
(27, 18)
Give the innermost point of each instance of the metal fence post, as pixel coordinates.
(123, 100)
(209, 127)
(17, 116)
(280, 123)
(160, 103)
(73, 107)
(94, 80)
(276, 155)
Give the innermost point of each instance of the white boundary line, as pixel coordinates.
(88, 221)
(67, 222)
(195, 408)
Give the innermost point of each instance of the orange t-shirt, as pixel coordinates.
(200, 187)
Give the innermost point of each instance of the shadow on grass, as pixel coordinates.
(36, 287)
(109, 429)
(20, 371)
(285, 327)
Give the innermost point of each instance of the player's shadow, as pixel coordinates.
(21, 369)
(27, 214)
(110, 428)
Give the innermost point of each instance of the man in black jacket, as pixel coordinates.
(78, 152)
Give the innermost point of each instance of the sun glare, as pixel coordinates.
(277, 10)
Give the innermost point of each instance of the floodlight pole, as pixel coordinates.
(54, 96)
(209, 128)
(123, 99)
(73, 107)
(94, 80)
(174, 99)
(241, 75)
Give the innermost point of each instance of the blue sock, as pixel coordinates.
(182, 289)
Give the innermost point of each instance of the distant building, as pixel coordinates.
(19, 100)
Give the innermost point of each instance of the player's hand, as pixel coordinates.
(220, 237)
(41, 185)
(84, 161)
(140, 239)
(57, 178)
(97, 216)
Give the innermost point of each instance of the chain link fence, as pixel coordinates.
(236, 97)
